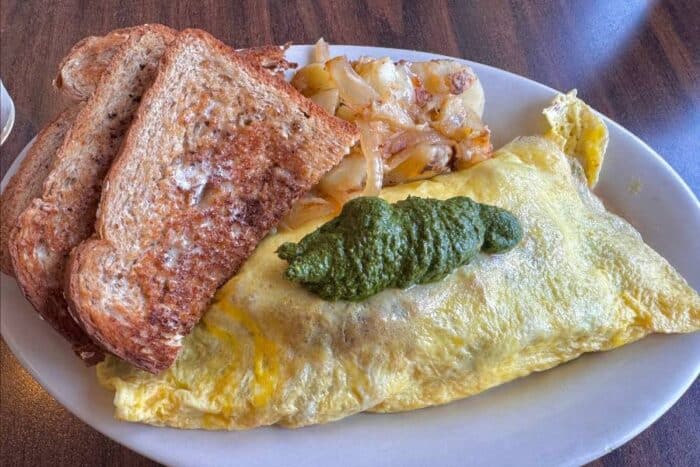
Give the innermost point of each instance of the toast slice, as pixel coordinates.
(218, 152)
(80, 71)
(270, 57)
(64, 215)
(26, 184)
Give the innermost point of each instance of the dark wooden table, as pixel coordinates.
(636, 61)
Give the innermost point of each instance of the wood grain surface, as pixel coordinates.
(636, 61)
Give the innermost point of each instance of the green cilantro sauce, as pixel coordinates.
(373, 245)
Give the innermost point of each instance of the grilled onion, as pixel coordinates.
(419, 162)
(370, 141)
(354, 91)
(306, 209)
(327, 99)
(405, 139)
(321, 52)
(346, 179)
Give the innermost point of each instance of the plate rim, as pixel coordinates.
(654, 415)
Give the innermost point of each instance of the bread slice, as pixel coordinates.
(270, 57)
(80, 71)
(26, 184)
(64, 215)
(218, 152)
(47, 233)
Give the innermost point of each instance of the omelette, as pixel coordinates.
(578, 131)
(270, 352)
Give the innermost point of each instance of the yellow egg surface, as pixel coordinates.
(269, 352)
(579, 132)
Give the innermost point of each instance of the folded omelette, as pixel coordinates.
(270, 352)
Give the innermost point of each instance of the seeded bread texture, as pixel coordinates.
(217, 153)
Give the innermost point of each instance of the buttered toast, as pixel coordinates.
(64, 215)
(27, 183)
(126, 59)
(81, 69)
(217, 153)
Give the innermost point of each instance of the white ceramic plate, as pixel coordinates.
(565, 416)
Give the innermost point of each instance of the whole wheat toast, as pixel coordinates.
(64, 215)
(81, 69)
(27, 183)
(218, 152)
(270, 57)
(79, 74)
(36, 282)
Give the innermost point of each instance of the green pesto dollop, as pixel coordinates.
(373, 245)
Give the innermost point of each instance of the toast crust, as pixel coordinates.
(63, 216)
(27, 183)
(270, 57)
(80, 70)
(175, 224)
